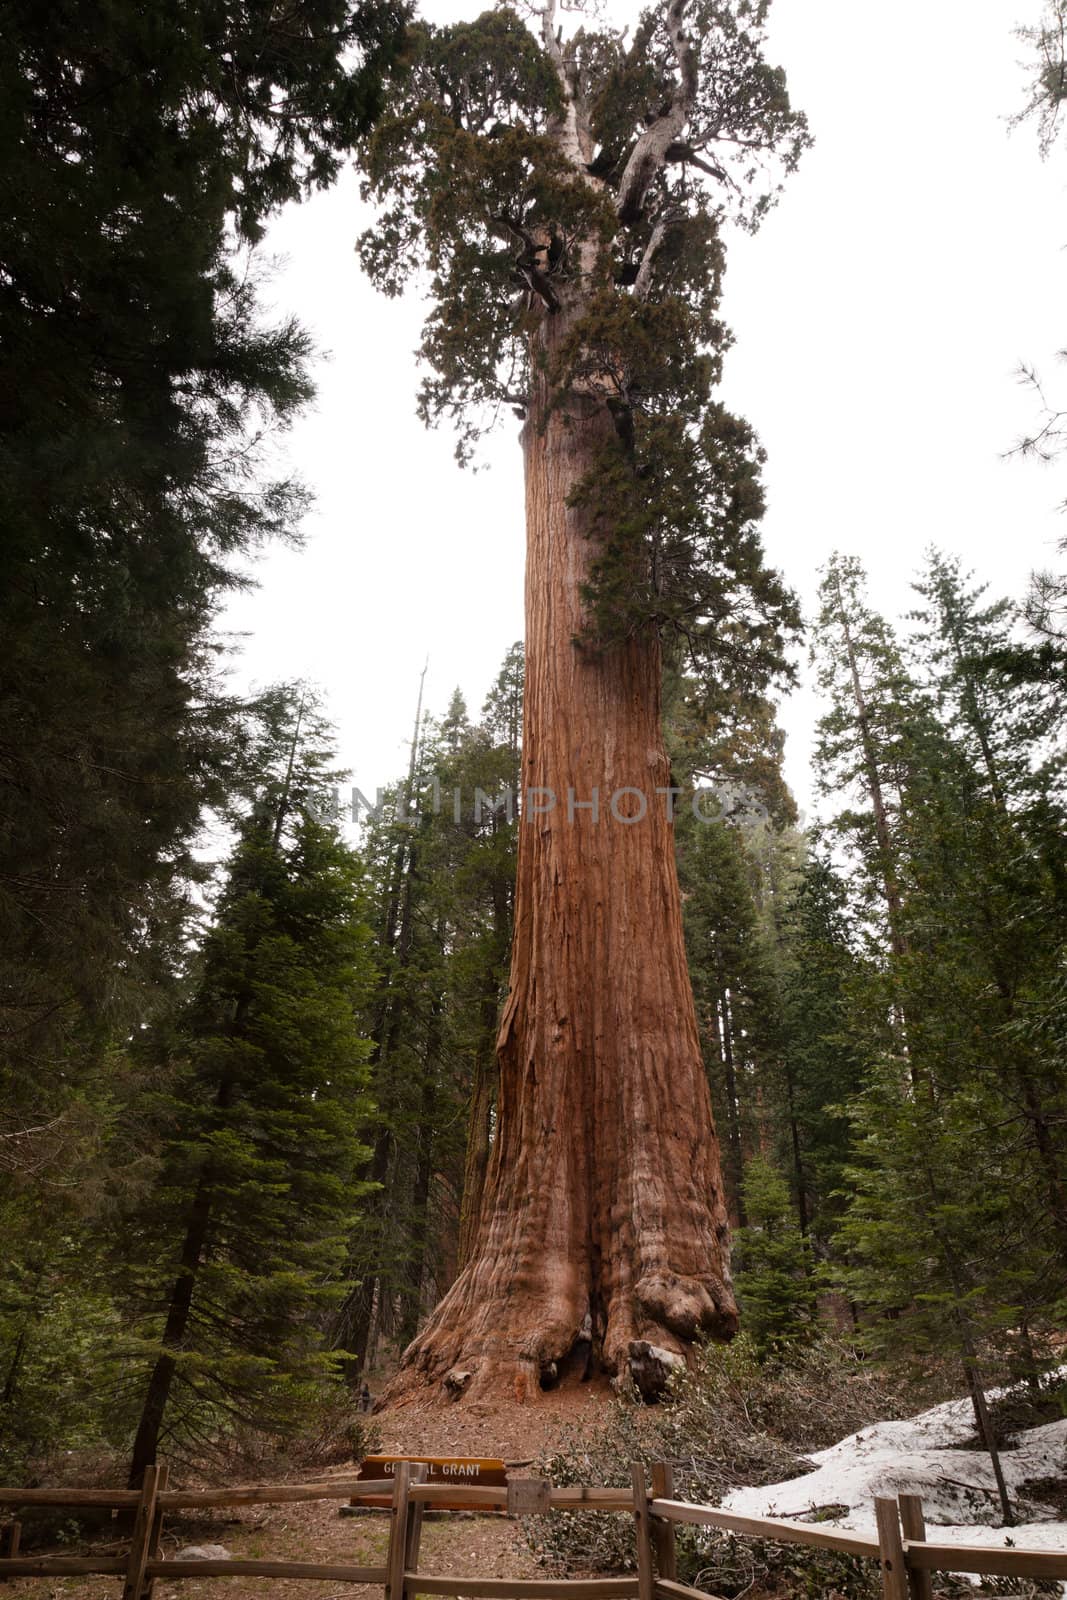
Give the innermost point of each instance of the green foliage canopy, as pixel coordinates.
(521, 177)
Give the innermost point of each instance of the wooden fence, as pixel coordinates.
(905, 1557)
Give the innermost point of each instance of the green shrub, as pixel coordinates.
(731, 1420)
(727, 1565)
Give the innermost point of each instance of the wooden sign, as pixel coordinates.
(477, 1472)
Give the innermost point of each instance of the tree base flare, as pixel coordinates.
(456, 1358)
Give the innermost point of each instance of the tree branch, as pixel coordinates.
(550, 36)
(680, 151)
(566, 129)
(643, 281)
(526, 263)
(649, 155)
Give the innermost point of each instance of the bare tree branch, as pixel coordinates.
(643, 281)
(569, 130)
(680, 151)
(649, 155)
(527, 267)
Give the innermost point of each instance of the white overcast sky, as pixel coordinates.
(880, 316)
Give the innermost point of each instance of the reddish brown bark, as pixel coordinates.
(603, 1215)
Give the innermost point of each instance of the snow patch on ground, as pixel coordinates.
(923, 1455)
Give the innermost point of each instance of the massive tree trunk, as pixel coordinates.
(603, 1221)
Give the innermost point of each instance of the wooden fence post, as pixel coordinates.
(891, 1550)
(646, 1582)
(10, 1538)
(155, 1538)
(529, 1497)
(415, 1515)
(662, 1531)
(398, 1532)
(920, 1582)
(140, 1542)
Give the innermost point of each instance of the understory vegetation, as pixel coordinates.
(737, 1420)
(733, 1420)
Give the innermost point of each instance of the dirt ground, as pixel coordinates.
(514, 1433)
(486, 1546)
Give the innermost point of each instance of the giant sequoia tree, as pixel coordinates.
(566, 196)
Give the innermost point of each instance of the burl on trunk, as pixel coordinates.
(603, 1223)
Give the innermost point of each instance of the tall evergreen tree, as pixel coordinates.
(824, 1039)
(726, 964)
(947, 1229)
(738, 859)
(862, 751)
(136, 380)
(441, 857)
(934, 1236)
(987, 859)
(567, 197)
(775, 1277)
(242, 1240)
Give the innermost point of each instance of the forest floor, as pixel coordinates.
(932, 1452)
(488, 1546)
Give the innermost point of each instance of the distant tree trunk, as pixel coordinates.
(603, 1208)
(1039, 1119)
(988, 1437)
(198, 1223)
(484, 1088)
(1040, 1126)
(15, 1367)
(800, 1193)
(364, 1298)
(479, 1144)
(734, 1171)
(354, 1318)
(411, 1310)
(886, 856)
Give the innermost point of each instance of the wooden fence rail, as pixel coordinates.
(905, 1556)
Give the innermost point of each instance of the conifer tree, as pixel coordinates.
(825, 1037)
(985, 844)
(947, 1229)
(441, 860)
(567, 197)
(775, 1279)
(392, 849)
(137, 378)
(485, 877)
(731, 987)
(934, 1234)
(1007, 739)
(243, 1238)
(862, 750)
(738, 856)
